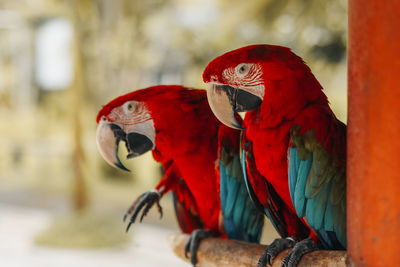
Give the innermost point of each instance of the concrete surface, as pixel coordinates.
(19, 225)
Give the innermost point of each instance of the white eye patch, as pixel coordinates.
(145, 128)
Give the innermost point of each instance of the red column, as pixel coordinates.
(373, 185)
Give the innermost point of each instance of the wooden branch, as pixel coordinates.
(223, 252)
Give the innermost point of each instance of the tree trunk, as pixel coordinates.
(80, 199)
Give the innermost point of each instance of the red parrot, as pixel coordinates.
(291, 138)
(200, 157)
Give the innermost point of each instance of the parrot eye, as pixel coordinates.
(242, 69)
(130, 106)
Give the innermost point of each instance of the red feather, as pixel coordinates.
(186, 145)
(292, 96)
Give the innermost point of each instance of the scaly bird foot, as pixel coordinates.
(145, 201)
(301, 248)
(193, 243)
(279, 245)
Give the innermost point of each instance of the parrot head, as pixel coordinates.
(124, 119)
(240, 80)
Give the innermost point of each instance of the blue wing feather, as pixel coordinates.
(298, 172)
(242, 219)
(276, 221)
(245, 178)
(250, 191)
(293, 167)
(311, 199)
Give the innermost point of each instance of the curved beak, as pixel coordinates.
(108, 136)
(219, 99)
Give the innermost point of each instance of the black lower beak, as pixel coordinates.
(118, 132)
(138, 144)
(239, 99)
(119, 135)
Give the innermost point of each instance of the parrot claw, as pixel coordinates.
(193, 243)
(145, 201)
(279, 245)
(299, 250)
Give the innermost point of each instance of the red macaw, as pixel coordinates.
(291, 138)
(200, 157)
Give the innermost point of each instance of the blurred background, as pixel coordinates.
(60, 203)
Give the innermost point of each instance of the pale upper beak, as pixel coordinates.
(225, 100)
(221, 106)
(138, 140)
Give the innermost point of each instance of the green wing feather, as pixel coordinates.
(242, 219)
(317, 184)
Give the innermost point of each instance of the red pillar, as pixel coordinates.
(373, 187)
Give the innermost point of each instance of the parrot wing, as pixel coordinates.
(185, 208)
(242, 219)
(317, 182)
(267, 199)
(182, 198)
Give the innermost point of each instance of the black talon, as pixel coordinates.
(187, 247)
(137, 209)
(193, 243)
(277, 246)
(264, 259)
(146, 201)
(132, 207)
(149, 205)
(159, 209)
(299, 250)
(147, 208)
(129, 226)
